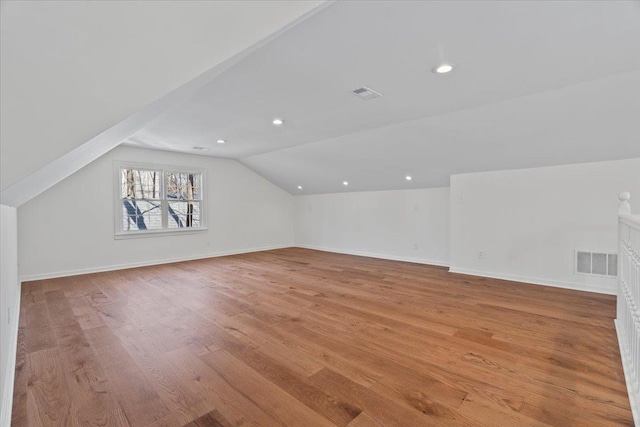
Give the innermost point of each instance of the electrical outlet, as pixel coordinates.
(415, 207)
(208, 242)
(415, 246)
(460, 200)
(480, 254)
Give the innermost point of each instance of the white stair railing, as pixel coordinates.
(628, 310)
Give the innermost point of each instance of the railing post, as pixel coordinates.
(625, 207)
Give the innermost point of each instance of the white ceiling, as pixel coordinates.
(72, 69)
(536, 83)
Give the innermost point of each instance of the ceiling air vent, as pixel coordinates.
(366, 93)
(599, 264)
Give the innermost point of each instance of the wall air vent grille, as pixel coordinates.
(596, 263)
(366, 93)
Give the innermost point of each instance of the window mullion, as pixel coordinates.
(165, 209)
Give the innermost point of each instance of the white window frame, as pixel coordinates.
(120, 233)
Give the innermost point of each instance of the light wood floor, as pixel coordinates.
(305, 338)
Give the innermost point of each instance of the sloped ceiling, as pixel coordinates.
(588, 122)
(535, 84)
(73, 69)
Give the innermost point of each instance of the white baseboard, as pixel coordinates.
(10, 373)
(538, 281)
(376, 255)
(101, 269)
(514, 278)
(634, 398)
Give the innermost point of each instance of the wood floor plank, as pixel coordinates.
(365, 420)
(305, 344)
(47, 402)
(338, 411)
(210, 419)
(283, 407)
(300, 337)
(184, 401)
(93, 402)
(38, 322)
(388, 412)
(140, 402)
(233, 404)
(253, 332)
(488, 413)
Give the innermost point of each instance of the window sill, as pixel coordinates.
(158, 233)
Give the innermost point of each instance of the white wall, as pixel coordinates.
(69, 229)
(9, 307)
(385, 224)
(529, 222)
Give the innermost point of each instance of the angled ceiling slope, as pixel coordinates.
(70, 70)
(535, 84)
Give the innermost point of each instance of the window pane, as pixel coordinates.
(140, 183)
(141, 215)
(184, 214)
(183, 186)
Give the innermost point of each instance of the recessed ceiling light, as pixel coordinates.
(299, 187)
(443, 69)
(221, 141)
(408, 178)
(345, 183)
(278, 122)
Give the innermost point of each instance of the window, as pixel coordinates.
(154, 199)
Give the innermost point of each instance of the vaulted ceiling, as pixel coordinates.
(534, 84)
(74, 70)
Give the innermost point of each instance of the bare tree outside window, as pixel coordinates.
(183, 195)
(146, 206)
